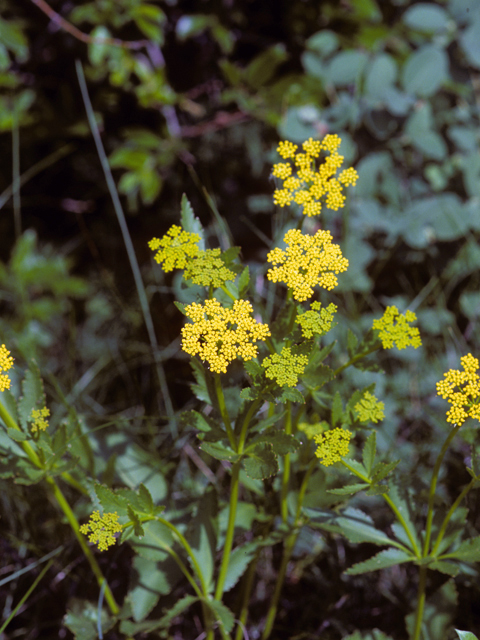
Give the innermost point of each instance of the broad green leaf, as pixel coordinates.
(261, 462)
(382, 469)
(17, 436)
(428, 18)
(468, 551)
(291, 394)
(239, 560)
(425, 70)
(381, 74)
(357, 465)
(189, 222)
(179, 607)
(82, 619)
(243, 282)
(369, 451)
(466, 635)
(219, 451)
(349, 489)
(263, 67)
(470, 42)
(281, 442)
(352, 343)
(153, 544)
(110, 500)
(423, 137)
(346, 68)
(203, 532)
(337, 409)
(403, 507)
(382, 560)
(222, 613)
(449, 568)
(137, 466)
(202, 388)
(33, 396)
(357, 526)
(323, 42)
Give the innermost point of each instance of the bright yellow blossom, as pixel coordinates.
(6, 363)
(39, 419)
(332, 446)
(101, 530)
(285, 367)
(394, 329)
(208, 269)
(369, 409)
(312, 184)
(218, 335)
(316, 320)
(307, 262)
(174, 248)
(462, 390)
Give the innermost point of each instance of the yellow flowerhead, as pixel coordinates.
(307, 262)
(218, 335)
(394, 329)
(316, 321)
(462, 390)
(285, 367)
(311, 184)
(174, 248)
(101, 530)
(332, 446)
(38, 419)
(208, 269)
(6, 363)
(369, 409)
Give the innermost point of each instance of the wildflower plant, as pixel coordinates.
(271, 401)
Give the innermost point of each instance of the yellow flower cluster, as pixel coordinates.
(332, 446)
(308, 261)
(6, 363)
(394, 329)
(174, 248)
(39, 419)
(312, 430)
(309, 185)
(316, 321)
(285, 367)
(462, 390)
(101, 530)
(219, 335)
(208, 269)
(369, 409)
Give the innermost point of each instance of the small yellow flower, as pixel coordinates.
(332, 446)
(312, 184)
(6, 363)
(218, 335)
(208, 269)
(312, 430)
(174, 248)
(101, 530)
(307, 262)
(369, 409)
(285, 367)
(394, 329)
(462, 390)
(316, 321)
(39, 419)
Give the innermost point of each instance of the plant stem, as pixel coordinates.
(247, 589)
(356, 358)
(223, 410)
(286, 465)
(227, 547)
(420, 602)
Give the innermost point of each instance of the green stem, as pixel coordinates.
(356, 358)
(420, 602)
(286, 465)
(433, 486)
(393, 507)
(227, 547)
(246, 423)
(223, 411)
(247, 590)
(450, 513)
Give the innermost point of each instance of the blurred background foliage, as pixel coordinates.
(193, 96)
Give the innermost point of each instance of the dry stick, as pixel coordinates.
(84, 37)
(147, 317)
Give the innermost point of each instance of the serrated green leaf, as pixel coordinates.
(261, 462)
(176, 610)
(468, 551)
(16, 436)
(82, 620)
(33, 395)
(382, 560)
(357, 526)
(377, 490)
(219, 451)
(449, 568)
(239, 560)
(369, 451)
(357, 465)
(110, 500)
(189, 222)
(337, 409)
(349, 489)
(203, 531)
(281, 442)
(137, 527)
(382, 469)
(403, 507)
(222, 613)
(248, 394)
(243, 282)
(153, 544)
(146, 498)
(466, 635)
(292, 395)
(352, 343)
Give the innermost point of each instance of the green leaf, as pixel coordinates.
(381, 74)
(179, 607)
(425, 70)
(368, 453)
(17, 436)
(468, 551)
(82, 620)
(428, 18)
(203, 532)
(281, 442)
(449, 568)
(152, 545)
(466, 635)
(33, 395)
(382, 470)
(189, 222)
(243, 282)
(239, 560)
(263, 67)
(382, 560)
(357, 526)
(222, 613)
(403, 507)
(423, 137)
(357, 465)
(352, 343)
(219, 451)
(137, 527)
(261, 462)
(470, 42)
(349, 489)
(337, 409)
(323, 42)
(346, 68)
(291, 394)
(110, 500)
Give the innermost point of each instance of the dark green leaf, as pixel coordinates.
(203, 531)
(468, 551)
(261, 462)
(349, 489)
(369, 451)
(357, 526)
(219, 451)
(222, 614)
(386, 558)
(425, 70)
